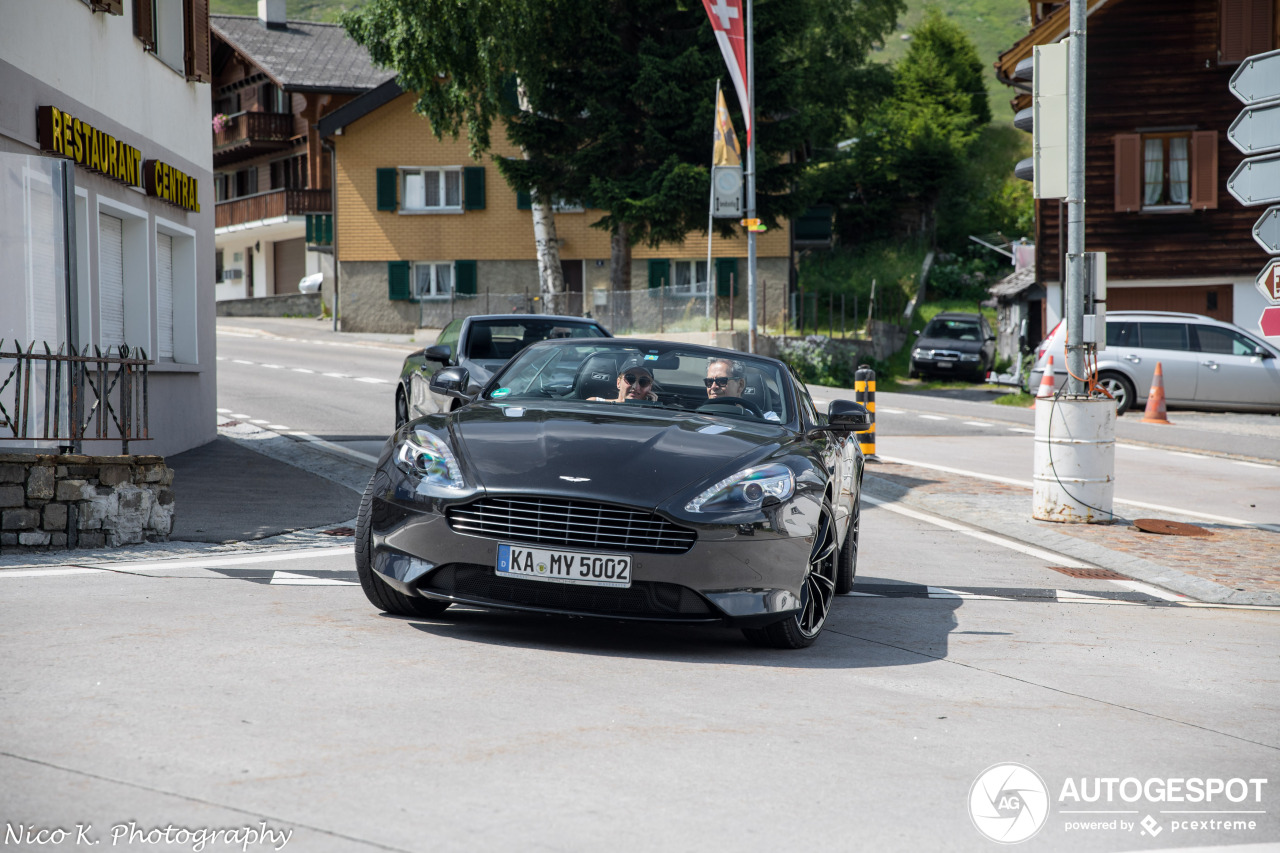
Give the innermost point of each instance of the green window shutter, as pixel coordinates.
(398, 281)
(311, 228)
(327, 235)
(388, 186)
(524, 201)
(726, 268)
(473, 187)
(465, 276)
(659, 272)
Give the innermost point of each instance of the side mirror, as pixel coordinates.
(440, 352)
(1263, 353)
(452, 382)
(849, 416)
(917, 333)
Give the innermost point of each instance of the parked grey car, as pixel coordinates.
(954, 343)
(481, 344)
(1207, 364)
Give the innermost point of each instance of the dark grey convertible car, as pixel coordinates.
(481, 344)
(597, 477)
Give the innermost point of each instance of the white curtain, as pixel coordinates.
(1179, 171)
(1153, 171)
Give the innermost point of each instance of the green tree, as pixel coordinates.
(617, 95)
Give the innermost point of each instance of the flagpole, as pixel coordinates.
(711, 202)
(751, 183)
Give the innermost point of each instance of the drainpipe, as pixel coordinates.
(333, 207)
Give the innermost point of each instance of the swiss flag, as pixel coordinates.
(730, 28)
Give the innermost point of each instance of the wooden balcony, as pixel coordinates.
(271, 205)
(251, 134)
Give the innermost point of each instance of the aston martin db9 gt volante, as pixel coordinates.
(622, 479)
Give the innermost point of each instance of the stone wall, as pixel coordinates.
(282, 305)
(50, 502)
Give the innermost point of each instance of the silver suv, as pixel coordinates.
(1207, 364)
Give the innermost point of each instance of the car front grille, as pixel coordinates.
(563, 523)
(642, 599)
(940, 353)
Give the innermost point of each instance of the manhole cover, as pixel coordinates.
(1095, 574)
(1169, 528)
(341, 531)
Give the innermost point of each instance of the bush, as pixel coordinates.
(819, 361)
(966, 275)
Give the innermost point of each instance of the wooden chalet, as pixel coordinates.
(1157, 154)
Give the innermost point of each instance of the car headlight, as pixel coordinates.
(430, 460)
(970, 356)
(917, 353)
(746, 490)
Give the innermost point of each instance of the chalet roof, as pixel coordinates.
(1012, 285)
(301, 56)
(1051, 29)
(360, 107)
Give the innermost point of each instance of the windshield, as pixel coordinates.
(658, 376)
(499, 340)
(953, 330)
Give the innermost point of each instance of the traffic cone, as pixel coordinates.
(1156, 412)
(1046, 381)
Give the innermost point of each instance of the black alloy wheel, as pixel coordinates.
(402, 408)
(799, 631)
(1120, 389)
(847, 561)
(381, 595)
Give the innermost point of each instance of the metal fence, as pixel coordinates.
(674, 309)
(63, 397)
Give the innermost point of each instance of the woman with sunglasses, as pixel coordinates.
(635, 382)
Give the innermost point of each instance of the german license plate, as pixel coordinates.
(945, 363)
(544, 564)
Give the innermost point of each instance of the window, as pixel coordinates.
(217, 266)
(246, 181)
(1122, 334)
(272, 99)
(1220, 341)
(1162, 336)
(1166, 169)
(690, 278)
(221, 186)
(432, 280)
(431, 189)
(289, 173)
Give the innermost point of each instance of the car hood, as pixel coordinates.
(601, 452)
(949, 343)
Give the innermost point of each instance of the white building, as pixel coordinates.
(119, 87)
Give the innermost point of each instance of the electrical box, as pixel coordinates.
(1049, 132)
(1095, 299)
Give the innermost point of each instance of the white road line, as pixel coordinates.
(1030, 550)
(239, 361)
(337, 375)
(1136, 447)
(370, 379)
(220, 358)
(272, 366)
(1022, 429)
(301, 370)
(337, 448)
(888, 411)
(1188, 455)
(43, 573)
(277, 426)
(976, 423)
(1026, 484)
(1147, 589)
(933, 417)
(224, 411)
(177, 563)
(1251, 464)
(257, 421)
(240, 416)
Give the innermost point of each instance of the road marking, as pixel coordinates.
(337, 375)
(224, 411)
(238, 361)
(241, 416)
(1132, 447)
(176, 563)
(257, 421)
(301, 370)
(277, 426)
(43, 573)
(290, 579)
(272, 366)
(1022, 429)
(1147, 589)
(370, 379)
(976, 423)
(934, 417)
(336, 448)
(1188, 455)
(948, 524)
(888, 411)
(1251, 464)
(1240, 522)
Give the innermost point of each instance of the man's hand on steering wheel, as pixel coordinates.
(734, 401)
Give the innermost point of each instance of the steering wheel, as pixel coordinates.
(733, 401)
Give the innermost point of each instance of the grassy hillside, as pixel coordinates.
(994, 25)
(298, 10)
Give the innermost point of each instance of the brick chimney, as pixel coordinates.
(272, 14)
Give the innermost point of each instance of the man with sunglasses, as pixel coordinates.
(635, 382)
(725, 378)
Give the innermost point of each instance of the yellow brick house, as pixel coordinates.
(424, 233)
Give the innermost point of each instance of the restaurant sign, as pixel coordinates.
(63, 134)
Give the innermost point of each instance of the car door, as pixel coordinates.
(1168, 344)
(420, 396)
(1230, 373)
(836, 454)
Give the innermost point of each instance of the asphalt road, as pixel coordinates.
(233, 693)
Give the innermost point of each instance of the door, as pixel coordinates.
(1168, 344)
(573, 275)
(110, 281)
(1229, 372)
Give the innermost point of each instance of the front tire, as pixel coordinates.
(800, 630)
(847, 561)
(381, 595)
(1120, 388)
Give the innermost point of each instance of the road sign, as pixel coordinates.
(1267, 230)
(1268, 281)
(1256, 181)
(1257, 129)
(1269, 323)
(1258, 78)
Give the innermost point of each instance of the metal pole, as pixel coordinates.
(1074, 295)
(711, 202)
(75, 380)
(751, 185)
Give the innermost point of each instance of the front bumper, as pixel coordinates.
(742, 575)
